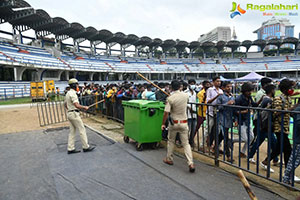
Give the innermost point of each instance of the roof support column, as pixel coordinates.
(122, 50)
(150, 53)
(39, 74)
(18, 72)
(109, 46)
(137, 52)
(58, 44)
(107, 49)
(76, 46)
(93, 48)
(13, 31)
(17, 38)
(66, 73)
(21, 37)
(91, 76)
(191, 53)
(120, 77)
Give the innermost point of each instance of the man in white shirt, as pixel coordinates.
(192, 108)
(212, 94)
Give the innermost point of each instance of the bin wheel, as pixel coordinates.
(139, 147)
(126, 139)
(155, 145)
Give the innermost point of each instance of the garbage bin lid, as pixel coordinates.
(143, 104)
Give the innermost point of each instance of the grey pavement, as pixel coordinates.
(35, 165)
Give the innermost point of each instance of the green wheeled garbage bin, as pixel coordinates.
(142, 121)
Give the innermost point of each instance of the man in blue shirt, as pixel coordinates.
(150, 95)
(225, 116)
(243, 116)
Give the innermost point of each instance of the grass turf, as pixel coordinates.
(16, 101)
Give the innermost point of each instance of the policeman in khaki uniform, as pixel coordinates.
(72, 105)
(176, 106)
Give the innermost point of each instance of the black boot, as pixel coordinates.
(74, 151)
(91, 148)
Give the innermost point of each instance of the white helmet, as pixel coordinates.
(73, 81)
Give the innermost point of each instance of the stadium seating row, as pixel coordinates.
(26, 54)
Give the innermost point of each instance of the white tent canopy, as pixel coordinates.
(250, 77)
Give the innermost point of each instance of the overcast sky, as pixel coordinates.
(165, 19)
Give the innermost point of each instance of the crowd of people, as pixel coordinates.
(212, 102)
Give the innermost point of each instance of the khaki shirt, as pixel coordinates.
(71, 98)
(177, 105)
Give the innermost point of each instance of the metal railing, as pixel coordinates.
(10, 93)
(53, 112)
(235, 138)
(236, 128)
(213, 138)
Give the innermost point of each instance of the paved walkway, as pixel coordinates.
(34, 165)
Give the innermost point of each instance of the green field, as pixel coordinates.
(16, 101)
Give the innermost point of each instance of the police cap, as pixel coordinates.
(73, 81)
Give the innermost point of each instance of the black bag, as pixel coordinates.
(264, 121)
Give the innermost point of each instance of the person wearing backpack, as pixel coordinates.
(243, 117)
(263, 121)
(260, 93)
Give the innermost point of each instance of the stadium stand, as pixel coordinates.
(22, 17)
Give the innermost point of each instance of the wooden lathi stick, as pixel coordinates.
(96, 103)
(246, 185)
(152, 83)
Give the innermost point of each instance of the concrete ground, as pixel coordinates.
(35, 166)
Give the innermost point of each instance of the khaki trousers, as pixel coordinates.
(76, 123)
(183, 131)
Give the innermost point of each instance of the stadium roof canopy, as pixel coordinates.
(194, 45)
(247, 44)
(53, 25)
(130, 39)
(31, 19)
(102, 35)
(181, 45)
(144, 41)
(117, 37)
(168, 44)
(89, 33)
(155, 43)
(8, 8)
(207, 45)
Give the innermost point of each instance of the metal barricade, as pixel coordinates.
(53, 112)
(239, 142)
